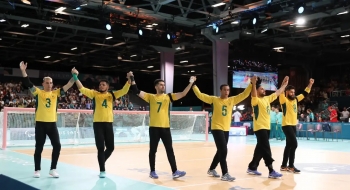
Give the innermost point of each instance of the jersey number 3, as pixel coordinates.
(48, 103)
(224, 110)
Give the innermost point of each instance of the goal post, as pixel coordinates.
(75, 126)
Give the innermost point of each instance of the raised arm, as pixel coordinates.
(26, 81)
(68, 85)
(134, 88)
(89, 93)
(182, 94)
(204, 97)
(306, 91)
(125, 89)
(254, 92)
(240, 97)
(283, 86)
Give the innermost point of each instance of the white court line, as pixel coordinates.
(240, 179)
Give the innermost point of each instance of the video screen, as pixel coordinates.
(241, 79)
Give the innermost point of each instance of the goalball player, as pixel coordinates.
(103, 117)
(261, 125)
(45, 118)
(221, 123)
(289, 106)
(159, 122)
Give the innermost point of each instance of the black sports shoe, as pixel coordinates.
(293, 169)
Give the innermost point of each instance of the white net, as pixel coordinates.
(129, 126)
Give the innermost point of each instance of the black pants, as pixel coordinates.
(155, 134)
(221, 140)
(262, 149)
(104, 137)
(291, 145)
(41, 130)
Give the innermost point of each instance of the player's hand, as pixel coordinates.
(23, 66)
(312, 81)
(129, 74)
(254, 79)
(193, 79)
(74, 71)
(285, 80)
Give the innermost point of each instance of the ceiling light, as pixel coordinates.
(254, 20)
(133, 55)
(342, 13)
(149, 26)
(60, 9)
(192, 71)
(155, 24)
(235, 22)
(83, 5)
(178, 48)
(218, 4)
(110, 37)
(48, 27)
(26, 2)
(301, 10)
(140, 32)
(150, 67)
(345, 36)
(2, 20)
(108, 26)
(46, 57)
(0, 39)
(74, 48)
(185, 61)
(228, 66)
(25, 25)
(300, 21)
(278, 48)
(264, 30)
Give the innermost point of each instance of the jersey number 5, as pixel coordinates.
(104, 103)
(48, 102)
(160, 105)
(224, 110)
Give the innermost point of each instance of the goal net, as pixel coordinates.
(75, 126)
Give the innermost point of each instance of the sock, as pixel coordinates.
(270, 168)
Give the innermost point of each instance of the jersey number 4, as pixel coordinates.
(48, 103)
(224, 110)
(104, 103)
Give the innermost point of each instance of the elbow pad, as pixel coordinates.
(135, 89)
(27, 83)
(305, 93)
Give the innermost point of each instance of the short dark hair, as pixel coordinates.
(104, 80)
(157, 81)
(223, 85)
(290, 87)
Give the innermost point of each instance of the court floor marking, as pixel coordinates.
(218, 182)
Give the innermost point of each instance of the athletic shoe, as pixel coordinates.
(227, 177)
(53, 173)
(253, 172)
(275, 175)
(178, 174)
(293, 169)
(283, 168)
(102, 174)
(213, 173)
(36, 174)
(153, 175)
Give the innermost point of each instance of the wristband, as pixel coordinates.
(132, 78)
(75, 77)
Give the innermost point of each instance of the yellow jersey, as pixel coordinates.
(222, 108)
(46, 104)
(159, 112)
(261, 109)
(103, 102)
(290, 108)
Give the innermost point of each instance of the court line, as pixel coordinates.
(240, 179)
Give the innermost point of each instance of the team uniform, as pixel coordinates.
(261, 127)
(220, 126)
(103, 120)
(45, 124)
(159, 128)
(289, 122)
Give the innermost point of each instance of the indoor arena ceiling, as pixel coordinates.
(64, 33)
